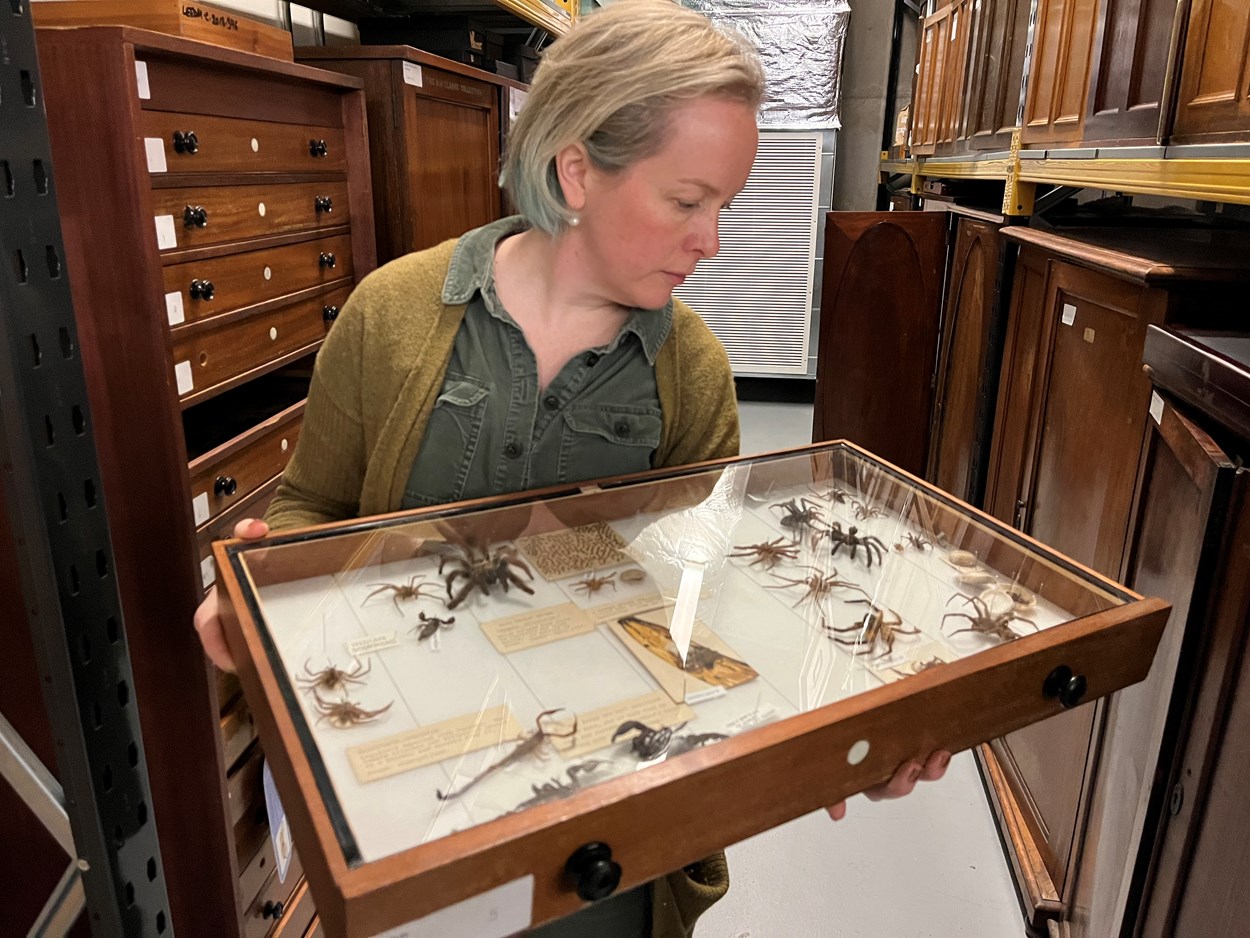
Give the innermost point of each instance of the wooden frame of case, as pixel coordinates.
(1112, 648)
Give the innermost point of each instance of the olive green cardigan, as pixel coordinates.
(381, 370)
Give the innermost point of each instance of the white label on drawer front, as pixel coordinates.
(154, 147)
(1069, 314)
(166, 232)
(412, 74)
(279, 827)
(260, 209)
(182, 375)
(199, 508)
(368, 644)
(496, 913)
(1156, 406)
(208, 572)
(273, 333)
(173, 308)
(141, 76)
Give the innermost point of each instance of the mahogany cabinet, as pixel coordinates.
(998, 36)
(1071, 421)
(1214, 102)
(434, 134)
(216, 209)
(953, 93)
(1063, 38)
(926, 106)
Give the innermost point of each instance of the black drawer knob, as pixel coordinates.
(272, 910)
(1066, 687)
(186, 142)
(329, 313)
(225, 485)
(327, 259)
(201, 289)
(318, 148)
(195, 216)
(594, 872)
(323, 203)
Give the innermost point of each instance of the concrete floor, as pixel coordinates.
(926, 866)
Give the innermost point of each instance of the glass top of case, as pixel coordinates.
(449, 668)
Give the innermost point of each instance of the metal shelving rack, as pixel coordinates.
(99, 811)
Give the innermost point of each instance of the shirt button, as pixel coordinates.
(512, 450)
(592, 359)
(551, 402)
(621, 428)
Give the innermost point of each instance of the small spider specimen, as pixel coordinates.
(527, 746)
(878, 626)
(798, 515)
(767, 553)
(331, 678)
(430, 625)
(594, 583)
(345, 713)
(919, 542)
(984, 621)
(915, 667)
(852, 540)
(834, 494)
(482, 569)
(413, 589)
(819, 585)
(865, 511)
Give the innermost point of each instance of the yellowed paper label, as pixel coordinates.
(538, 627)
(648, 602)
(413, 749)
(558, 554)
(368, 644)
(595, 728)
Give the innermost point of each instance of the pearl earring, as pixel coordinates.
(575, 220)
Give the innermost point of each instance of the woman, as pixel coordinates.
(548, 348)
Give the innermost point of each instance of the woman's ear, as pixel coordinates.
(572, 169)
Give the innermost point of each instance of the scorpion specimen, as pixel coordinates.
(527, 746)
(653, 743)
(799, 515)
(766, 554)
(878, 625)
(554, 788)
(594, 583)
(985, 622)
(483, 569)
(413, 589)
(331, 678)
(430, 625)
(852, 540)
(819, 585)
(345, 713)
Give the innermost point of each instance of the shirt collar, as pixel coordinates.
(471, 272)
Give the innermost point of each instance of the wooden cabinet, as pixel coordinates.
(1063, 38)
(1214, 103)
(953, 96)
(1071, 422)
(931, 74)
(219, 215)
(434, 133)
(998, 36)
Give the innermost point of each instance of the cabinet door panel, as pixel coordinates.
(954, 81)
(1215, 78)
(1130, 65)
(929, 82)
(996, 70)
(1055, 104)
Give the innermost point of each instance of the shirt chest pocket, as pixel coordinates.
(441, 469)
(601, 440)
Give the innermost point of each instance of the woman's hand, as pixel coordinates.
(904, 780)
(208, 616)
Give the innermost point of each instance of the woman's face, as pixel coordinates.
(643, 229)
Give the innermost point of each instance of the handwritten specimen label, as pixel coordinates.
(537, 627)
(595, 728)
(413, 749)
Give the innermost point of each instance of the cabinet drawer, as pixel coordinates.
(228, 474)
(236, 213)
(222, 526)
(274, 902)
(238, 731)
(229, 145)
(220, 285)
(243, 785)
(297, 915)
(207, 362)
(256, 873)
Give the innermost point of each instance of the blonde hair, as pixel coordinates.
(611, 84)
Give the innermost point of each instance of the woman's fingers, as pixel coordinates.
(251, 528)
(208, 626)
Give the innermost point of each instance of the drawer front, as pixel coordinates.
(243, 785)
(297, 915)
(230, 473)
(227, 688)
(254, 506)
(256, 873)
(228, 145)
(238, 731)
(274, 902)
(236, 213)
(220, 285)
(205, 362)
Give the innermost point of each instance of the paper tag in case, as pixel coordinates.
(279, 827)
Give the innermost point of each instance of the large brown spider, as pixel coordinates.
(331, 678)
(853, 541)
(985, 622)
(877, 626)
(798, 515)
(483, 569)
(594, 583)
(766, 554)
(819, 585)
(413, 589)
(345, 713)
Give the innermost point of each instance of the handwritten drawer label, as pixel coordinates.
(413, 749)
(173, 308)
(154, 147)
(166, 233)
(182, 375)
(412, 74)
(141, 76)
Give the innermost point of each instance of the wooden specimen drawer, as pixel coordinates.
(195, 143)
(298, 914)
(230, 473)
(222, 527)
(236, 213)
(208, 361)
(256, 873)
(238, 731)
(243, 785)
(226, 284)
(274, 901)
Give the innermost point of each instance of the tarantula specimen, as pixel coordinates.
(766, 554)
(799, 515)
(413, 589)
(332, 679)
(853, 541)
(483, 569)
(864, 511)
(879, 626)
(345, 713)
(819, 586)
(594, 583)
(919, 542)
(431, 625)
(986, 622)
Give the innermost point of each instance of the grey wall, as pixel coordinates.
(865, 72)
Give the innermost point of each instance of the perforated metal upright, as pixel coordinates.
(50, 476)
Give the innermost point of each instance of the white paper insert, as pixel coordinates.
(1069, 314)
(154, 147)
(166, 232)
(1156, 406)
(173, 308)
(141, 76)
(412, 74)
(182, 375)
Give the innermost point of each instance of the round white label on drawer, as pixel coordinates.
(273, 333)
(268, 273)
(255, 145)
(285, 446)
(261, 209)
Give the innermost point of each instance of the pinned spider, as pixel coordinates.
(332, 679)
(986, 622)
(413, 589)
(594, 583)
(345, 713)
(879, 626)
(819, 586)
(853, 541)
(431, 625)
(835, 494)
(864, 511)
(799, 515)
(915, 667)
(482, 569)
(766, 554)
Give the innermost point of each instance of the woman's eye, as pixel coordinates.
(688, 206)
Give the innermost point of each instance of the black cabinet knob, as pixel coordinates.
(329, 313)
(201, 290)
(186, 142)
(327, 259)
(318, 148)
(195, 216)
(272, 910)
(225, 485)
(593, 871)
(323, 203)
(1066, 687)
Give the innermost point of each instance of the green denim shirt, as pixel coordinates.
(493, 430)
